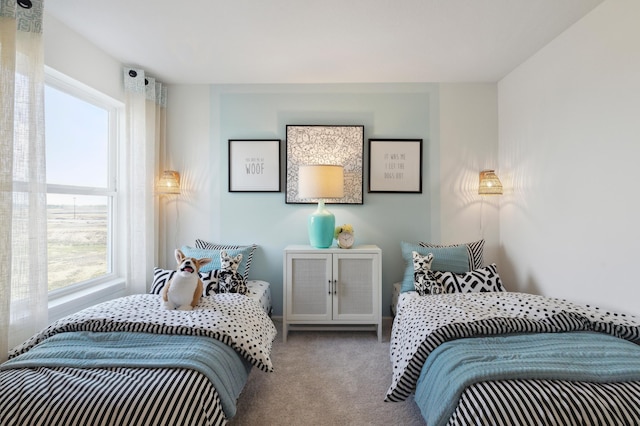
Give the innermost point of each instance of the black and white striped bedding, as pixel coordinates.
(108, 396)
(423, 323)
(545, 402)
(136, 396)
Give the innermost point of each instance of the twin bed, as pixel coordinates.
(475, 354)
(129, 361)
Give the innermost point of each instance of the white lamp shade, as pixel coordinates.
(169, 183)
(489, 183)
(320, 181)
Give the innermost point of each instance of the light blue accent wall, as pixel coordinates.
(394, 111)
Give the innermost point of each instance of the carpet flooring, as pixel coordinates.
(325, 378)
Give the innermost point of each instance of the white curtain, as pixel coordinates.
(146, 129)
(23, 202)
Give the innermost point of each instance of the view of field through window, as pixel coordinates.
(77, 240)
(79, 223)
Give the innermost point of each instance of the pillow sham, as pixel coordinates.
(480, 280)
(202, 244)
(214, 254)
(475, 250)
(161, 276)
(217, 246)
(447, 259)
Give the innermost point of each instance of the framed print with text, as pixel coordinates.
(254, 165)
(395, 165)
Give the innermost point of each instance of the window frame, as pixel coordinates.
(115, 279)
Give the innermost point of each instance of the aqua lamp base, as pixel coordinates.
(321, 226)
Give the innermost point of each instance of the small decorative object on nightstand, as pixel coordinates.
(344, 235)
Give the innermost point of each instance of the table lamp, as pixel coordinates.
(321, 182)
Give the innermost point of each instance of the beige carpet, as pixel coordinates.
(325, 378)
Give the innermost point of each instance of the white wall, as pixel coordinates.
(72, 55)
(569, 123)
(469, 143)
(195, 212)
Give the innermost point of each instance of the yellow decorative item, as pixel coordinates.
(344, 235)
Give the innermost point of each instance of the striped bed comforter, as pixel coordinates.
(136, 395)
(424, 324)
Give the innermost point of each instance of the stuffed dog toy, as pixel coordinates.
(229, 280)
(184, 290)
(424, 280)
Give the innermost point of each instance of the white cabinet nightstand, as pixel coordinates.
(332, 289)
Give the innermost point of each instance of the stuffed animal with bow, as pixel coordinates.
(184, 289)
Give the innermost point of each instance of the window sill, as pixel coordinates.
(73, 302)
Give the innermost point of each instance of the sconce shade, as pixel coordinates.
(169, 183)
(489, 183)
(321, 182)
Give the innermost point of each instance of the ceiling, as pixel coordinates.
(327, 41)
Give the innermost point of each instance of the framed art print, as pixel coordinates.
(332, 145)
(254, 165)
(395, 165)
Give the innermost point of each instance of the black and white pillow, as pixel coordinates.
(248, 251)
(209, 282)
(477, 281)
(424, 279)
(161, 276)
(475, 250)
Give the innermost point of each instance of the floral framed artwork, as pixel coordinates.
(395, 165)
(318, 144)
(254, 165)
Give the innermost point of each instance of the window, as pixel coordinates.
(81, 134)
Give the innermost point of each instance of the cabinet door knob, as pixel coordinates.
(335, 286)
(329, 286)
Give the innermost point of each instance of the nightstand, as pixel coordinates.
(332, 289)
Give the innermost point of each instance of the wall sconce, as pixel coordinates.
(169, 183)
(321, 182)
(489, 183)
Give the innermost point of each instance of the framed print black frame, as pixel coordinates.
(254, 165)
(318, 144)
(395, 165)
